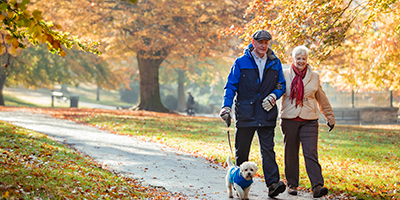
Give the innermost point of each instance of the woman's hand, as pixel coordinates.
(330, 126)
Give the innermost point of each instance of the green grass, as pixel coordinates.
(36, 167)
(356, 161)
(85, 93)
(15, 101)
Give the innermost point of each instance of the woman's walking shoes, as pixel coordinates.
(319, 191)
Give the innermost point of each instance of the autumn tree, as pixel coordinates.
(206, 72)
(36, 67)
(329, 28)
(22, 27)
(369, 57)
(91, 68)
(151, 30)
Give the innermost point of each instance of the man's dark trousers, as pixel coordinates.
(243, 139)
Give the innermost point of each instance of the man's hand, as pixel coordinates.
(269, 102)
(330, 126)
(224, 113)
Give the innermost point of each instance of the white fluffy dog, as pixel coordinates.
(240, 178)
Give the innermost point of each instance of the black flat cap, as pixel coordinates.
(262, 35)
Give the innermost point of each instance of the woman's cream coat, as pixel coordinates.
(313, 96)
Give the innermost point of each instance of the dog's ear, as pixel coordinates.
(254, 166)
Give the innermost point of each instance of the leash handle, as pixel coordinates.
(228, 121)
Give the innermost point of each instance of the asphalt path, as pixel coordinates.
(152, 163)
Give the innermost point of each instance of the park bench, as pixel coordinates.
(59, 95)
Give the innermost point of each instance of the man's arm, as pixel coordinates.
(231, 86)
(280, 86)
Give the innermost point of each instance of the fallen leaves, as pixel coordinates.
(35, 167)
(357, 161)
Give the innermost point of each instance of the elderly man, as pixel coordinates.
(257, 81)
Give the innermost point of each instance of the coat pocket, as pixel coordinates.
(245, 111)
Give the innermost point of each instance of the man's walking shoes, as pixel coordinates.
(276, 188)
(292, 191)
(319, 191)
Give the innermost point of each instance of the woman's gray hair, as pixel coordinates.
(300, 50)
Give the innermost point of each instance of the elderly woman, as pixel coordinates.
(299, 121)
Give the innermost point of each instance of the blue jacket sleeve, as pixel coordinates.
(281, 81)
(231, 85)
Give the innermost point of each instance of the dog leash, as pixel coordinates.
(228, 124)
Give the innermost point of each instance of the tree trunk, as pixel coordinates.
(149, 95)
(2, 81)
(181, 90)
(64, 89)
(98, 93)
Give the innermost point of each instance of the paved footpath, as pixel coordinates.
(153, 163)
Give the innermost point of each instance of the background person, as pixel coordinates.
(256, 79)
(190, 104)
(299, 121)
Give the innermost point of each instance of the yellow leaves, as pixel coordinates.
(57, 26)
(5, 195)
(37, 15)
(44, 38)
(14, 42)
(49, 38)
(2, 17)
(37, 32)
(63, 54)
(56, 44)
(9, 38)
(10, 13)
(23, 4)
(203, 18)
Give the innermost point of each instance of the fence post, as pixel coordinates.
(391, 99)
(52, 98)
(352, 98)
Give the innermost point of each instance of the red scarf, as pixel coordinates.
(297, 86)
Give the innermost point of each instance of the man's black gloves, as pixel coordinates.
(330, 126)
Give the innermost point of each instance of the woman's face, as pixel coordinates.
(300, 61)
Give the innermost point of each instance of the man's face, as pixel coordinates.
(260, 47)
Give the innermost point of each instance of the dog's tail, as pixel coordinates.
(229, 161)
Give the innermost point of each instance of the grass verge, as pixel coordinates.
(14, 101)
(357, 161)
(36, 167)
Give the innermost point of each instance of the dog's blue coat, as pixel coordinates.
(235, 177)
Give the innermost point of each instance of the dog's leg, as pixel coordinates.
(246, 192)
(239, 190)
(229, 186)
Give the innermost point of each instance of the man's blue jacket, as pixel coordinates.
(244, 83)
